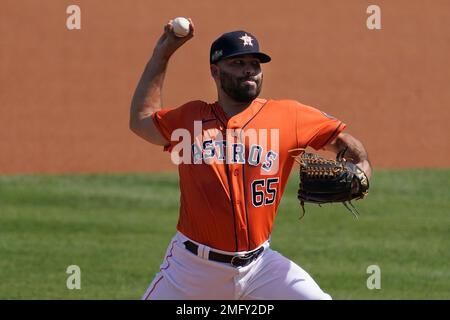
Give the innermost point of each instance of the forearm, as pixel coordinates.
(356, 153)
(147, 96)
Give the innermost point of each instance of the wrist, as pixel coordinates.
(365, 166)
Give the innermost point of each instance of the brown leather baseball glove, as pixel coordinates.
(327, 181)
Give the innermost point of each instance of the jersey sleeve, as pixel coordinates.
(316, 128)
(168, 120)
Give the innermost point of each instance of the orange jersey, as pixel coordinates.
(231, 188)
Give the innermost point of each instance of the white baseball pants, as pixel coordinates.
(185, 276)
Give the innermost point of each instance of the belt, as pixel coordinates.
(235, 260)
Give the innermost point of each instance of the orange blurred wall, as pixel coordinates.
(65, 94)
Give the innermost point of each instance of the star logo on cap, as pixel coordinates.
(247, 40)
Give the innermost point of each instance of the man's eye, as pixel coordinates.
(239, 62)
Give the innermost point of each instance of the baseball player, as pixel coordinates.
(237, 158)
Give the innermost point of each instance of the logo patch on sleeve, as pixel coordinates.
(329, 116)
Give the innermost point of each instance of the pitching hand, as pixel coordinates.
(168, 43)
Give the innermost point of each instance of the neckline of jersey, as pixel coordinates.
(239, 119)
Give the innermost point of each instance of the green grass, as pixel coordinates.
(117, 227)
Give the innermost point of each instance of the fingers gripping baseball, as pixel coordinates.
(169, 42)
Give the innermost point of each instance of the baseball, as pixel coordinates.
(180, 26)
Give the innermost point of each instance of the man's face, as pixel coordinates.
(241, 77)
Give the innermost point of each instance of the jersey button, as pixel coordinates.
(238, 202)
(236, 172)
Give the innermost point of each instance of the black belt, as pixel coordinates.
(236, 260)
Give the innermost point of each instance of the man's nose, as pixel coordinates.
(249, 70)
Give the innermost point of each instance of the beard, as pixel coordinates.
(237, 90)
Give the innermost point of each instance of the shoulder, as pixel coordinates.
(282, 103)
(292, 105)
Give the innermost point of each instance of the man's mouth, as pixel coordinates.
(249, 82)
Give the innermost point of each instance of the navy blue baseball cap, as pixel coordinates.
(236, 43)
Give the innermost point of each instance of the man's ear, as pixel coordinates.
(214, 70)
